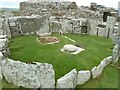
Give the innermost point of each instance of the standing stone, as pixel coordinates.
(32, 75)
(83, 76)
(1, 57)
(115, 53)
(8, 32)
(97, 71)
(93, 27)
(119, 23)
(0, 78)
(106, 61)
(68, 81)
(110, 26)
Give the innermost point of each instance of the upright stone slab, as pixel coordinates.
(115, 54)
(110, 26)
(106, 61)
(83, 76)
(93, 27)
(1, 57)
(32, 75)
(97, 71)
(8, 32)
(68, 81)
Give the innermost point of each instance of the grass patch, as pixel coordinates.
(27, 49)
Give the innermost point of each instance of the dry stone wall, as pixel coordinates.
(46, 8)
(23, 25)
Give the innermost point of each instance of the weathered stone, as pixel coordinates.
(101, 31)
(110, 26)
(32, 75)
(97, 71)
(106, 61)
(72, 49)
(1, 57)
(3, 44)
(0, 78)
(0, 73)
(93, 27)
(3, 36)
(68, 81)
(83, 76)
(115, 53)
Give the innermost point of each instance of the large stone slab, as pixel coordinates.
(115, 53)
(32, 75)
(106, 61)
(110, 26)
(83, 76)
(3, 44)
(1, 57)
(93, 27)
(68, 81)
(3, 36)
(72, 49)
(97, 71)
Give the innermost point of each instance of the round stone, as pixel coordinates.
(70, 48)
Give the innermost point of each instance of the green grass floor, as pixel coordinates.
(27, 49)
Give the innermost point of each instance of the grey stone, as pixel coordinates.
(115, 53)
(110, 26)
(93, 27)
(83, 76)
(68, 81)
(3, 36)
(97, 71)
(32, 75)
(70, 48)
(106, 61)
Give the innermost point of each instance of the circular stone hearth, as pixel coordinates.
(48, 40)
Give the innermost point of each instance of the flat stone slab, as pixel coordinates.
(72, 49)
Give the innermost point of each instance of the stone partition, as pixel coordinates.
(97, 71)
(110, 26)
(93, 27)
(32, 75)
(83, 76)
(22, 25)
(68, 81)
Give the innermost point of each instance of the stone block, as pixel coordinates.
(115, 53)
(83, 76)
(32, 75)
(68, 81)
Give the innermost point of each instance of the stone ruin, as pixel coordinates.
(46, 17)
(43, 18)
